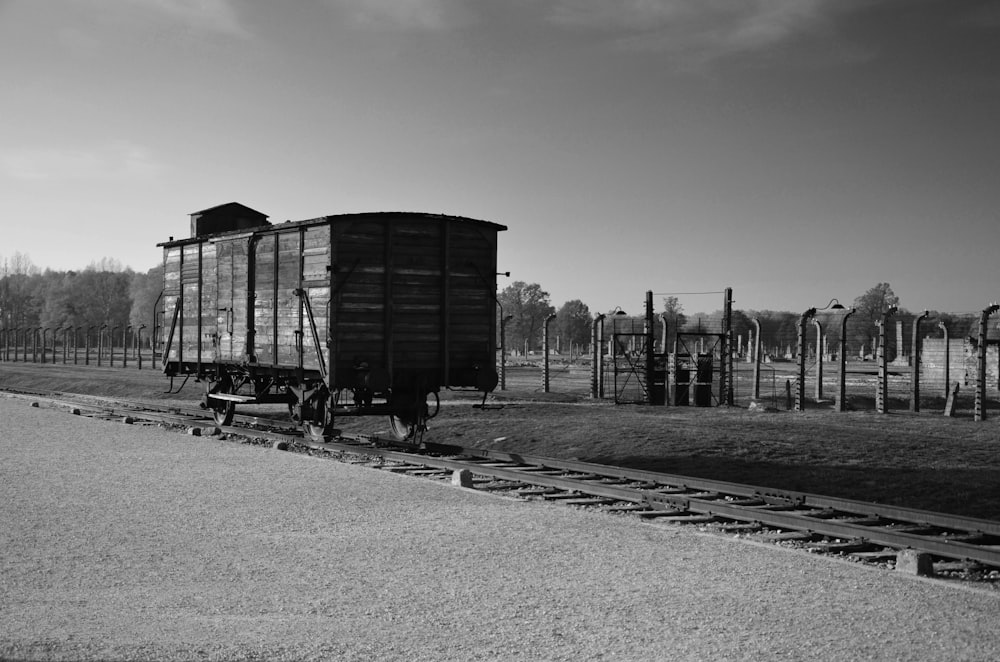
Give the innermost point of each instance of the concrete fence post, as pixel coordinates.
(800, 387)
(980, 406)
(842, 386)
(545, 352)
(819, 359)
(882, 389)
(915, 363)
(596, 342)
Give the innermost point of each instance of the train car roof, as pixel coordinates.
(410, 215)
(276, 227)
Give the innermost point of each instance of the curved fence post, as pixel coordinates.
(842, 385)
(756, 358)
(800, 387)
(819, 359)
(980, 410)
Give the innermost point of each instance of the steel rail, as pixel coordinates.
(814, 520)
(805, 499)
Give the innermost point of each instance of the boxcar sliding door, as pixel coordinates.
(189, 302)
(231, 311)
(278, 312)
(316, 284)
(170, 330)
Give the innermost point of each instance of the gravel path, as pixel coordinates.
(129, 543)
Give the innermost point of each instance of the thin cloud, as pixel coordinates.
(117, 161)
(696, 32)
(208, 15)
(79, 42)
(986, 17)
(419, 15)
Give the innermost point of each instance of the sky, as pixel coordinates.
(794, 150)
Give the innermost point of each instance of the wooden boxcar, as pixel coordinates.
(352, 314)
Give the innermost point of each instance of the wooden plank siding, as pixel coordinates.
(189, 330)
(410, 294)
(187, 290)
(208, 305)
(414, 296)
(316, 283)
(171, 302)
(285, 261)
(357, 307)
(472, 302)
(263, 300)
(231, 278)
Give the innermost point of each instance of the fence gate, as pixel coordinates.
(696, 380)
(629, 352)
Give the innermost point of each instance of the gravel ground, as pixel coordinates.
(131, 543)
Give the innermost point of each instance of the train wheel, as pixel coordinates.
(433, 409)
(222, 410)
(401, 429)
(317, 421)
(410, 421)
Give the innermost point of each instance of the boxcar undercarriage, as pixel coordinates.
(311, 403)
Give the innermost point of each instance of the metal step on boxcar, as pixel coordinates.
(233, 397)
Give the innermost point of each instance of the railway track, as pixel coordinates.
(933, 543)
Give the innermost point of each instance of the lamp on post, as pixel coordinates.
(800, 389)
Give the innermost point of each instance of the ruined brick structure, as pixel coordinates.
(963, 365)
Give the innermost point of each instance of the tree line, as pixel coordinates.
(105, 292)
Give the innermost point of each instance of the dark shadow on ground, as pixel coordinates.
(968, 492)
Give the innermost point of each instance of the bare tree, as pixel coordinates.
(529, 304)
(144, 290)
(868, 309)
(17, 305)
(574, 322)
